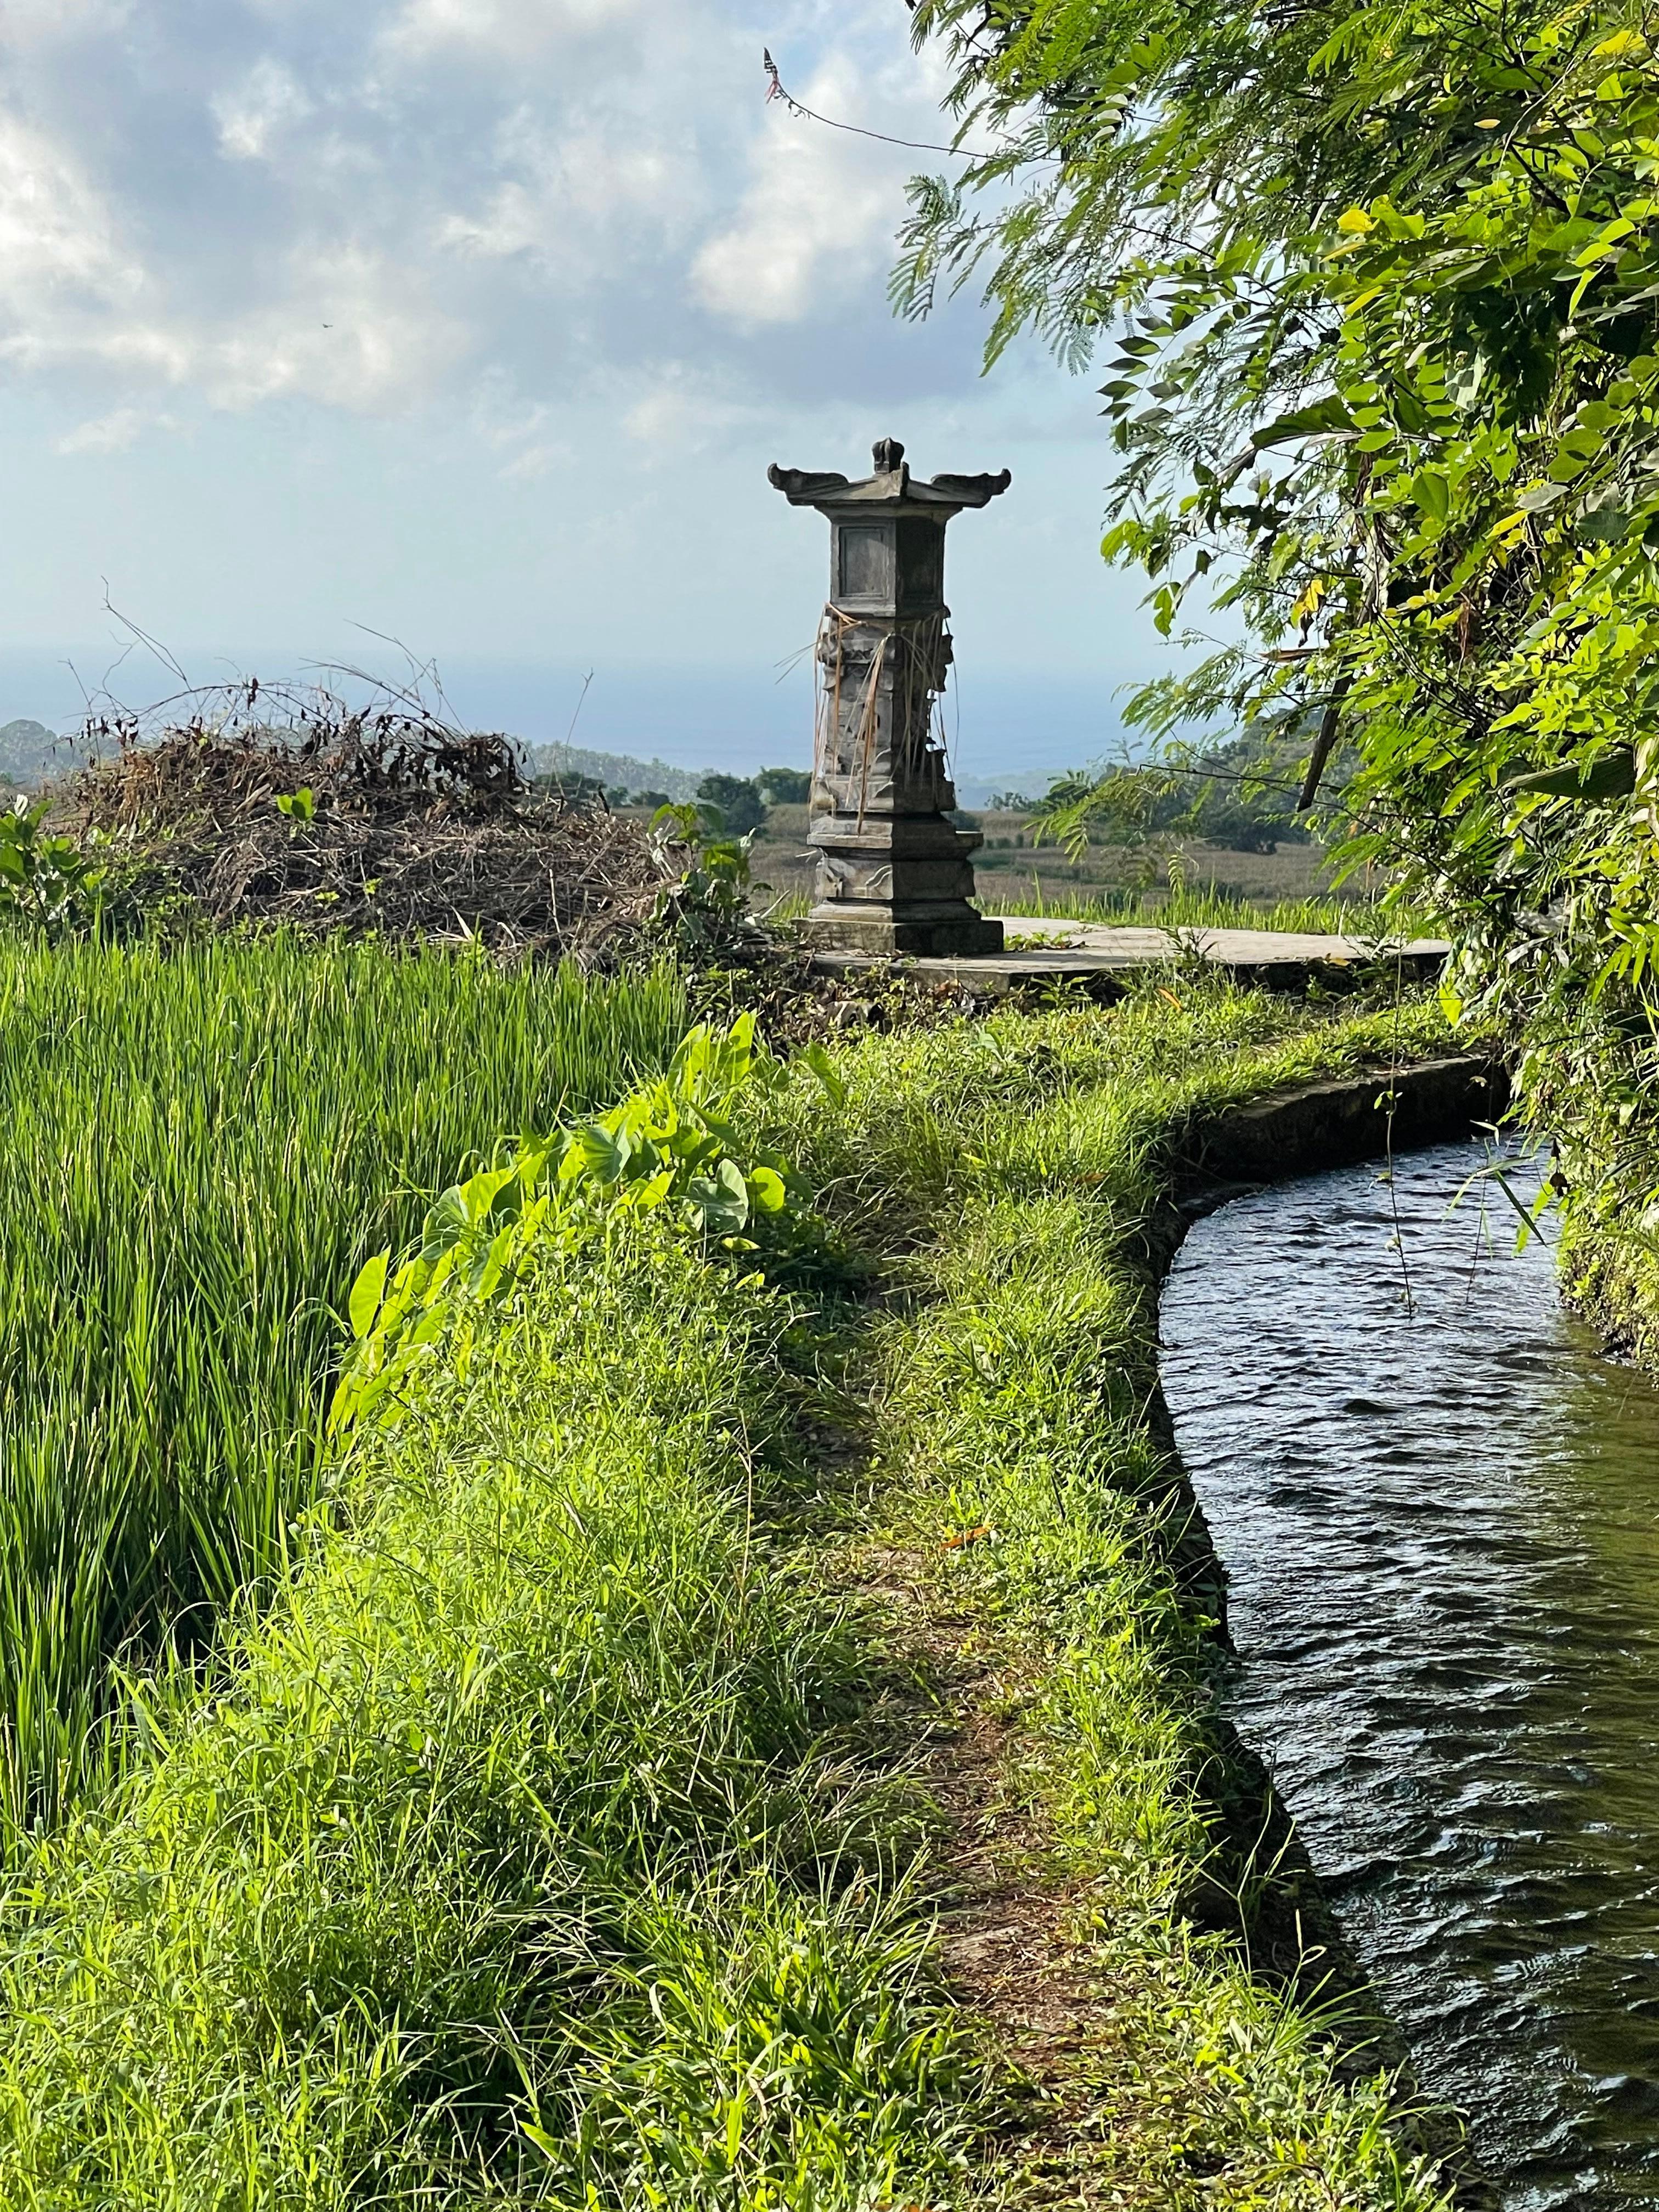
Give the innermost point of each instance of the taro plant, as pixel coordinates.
(706, 902)
(47, 880)
(671, 1150)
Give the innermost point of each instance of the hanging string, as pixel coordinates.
(774, 91)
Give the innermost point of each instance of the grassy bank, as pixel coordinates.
(573, 1830)
(196, 1147)
(1030, 1538)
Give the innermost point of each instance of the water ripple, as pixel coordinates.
(1441, 1527)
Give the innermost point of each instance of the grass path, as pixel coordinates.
(1095, 1859)
(733, 1745)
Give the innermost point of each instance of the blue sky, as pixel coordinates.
(475, 323)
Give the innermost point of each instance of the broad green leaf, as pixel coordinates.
(367, 1293)
(647, 1196)
(766, 1190)
(721, 1199)
(1602, 526)
(1321, 418)
(446, 1224)
(1612, 777)
(592, 1150)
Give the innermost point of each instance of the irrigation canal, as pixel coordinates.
(1440, 1520)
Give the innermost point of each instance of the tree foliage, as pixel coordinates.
(1383, 282)
(737, 801)
(784, 787)
(1240, 795)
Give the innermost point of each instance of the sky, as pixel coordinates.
(464, 330)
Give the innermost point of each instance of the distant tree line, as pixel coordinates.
(739, 801)
(1241, 795)
(29, 752)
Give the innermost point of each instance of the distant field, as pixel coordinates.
(1016, 876)
(200, 1145)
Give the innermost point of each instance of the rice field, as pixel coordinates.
(201, 1144)
(1209, 906)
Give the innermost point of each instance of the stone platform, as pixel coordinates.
(1095, 954)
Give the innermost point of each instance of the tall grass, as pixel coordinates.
(551, 1839)
(197, 1146)
(525, 1856)
(1207, 906)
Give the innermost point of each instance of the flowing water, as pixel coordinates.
(1440, 1519)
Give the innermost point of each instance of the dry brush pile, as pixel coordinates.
(295, 808)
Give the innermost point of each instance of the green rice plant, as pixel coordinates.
(784, 910)
(1337, 915)
(1195, 905)
(201, 1143)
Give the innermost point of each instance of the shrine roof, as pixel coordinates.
(891, 486)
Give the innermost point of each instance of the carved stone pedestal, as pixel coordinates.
(893, 874)
(896, 883)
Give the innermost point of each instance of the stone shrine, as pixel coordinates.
(893, 875)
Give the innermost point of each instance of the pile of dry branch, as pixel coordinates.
(297, 808)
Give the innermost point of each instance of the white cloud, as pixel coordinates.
(568, 192)
(363, 208)
(112, 433)
(269, 100)
(817, 219)
(536, 461)
(517, 27)
(379, 349)
(680, 410)
(341, 326)
(521, 431)
(27, 23)
(56, 235)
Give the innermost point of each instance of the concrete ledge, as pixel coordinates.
(1334, 1123)
(1099, 957)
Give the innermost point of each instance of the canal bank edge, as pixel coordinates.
(1316, 1126)
(1120, 1906)
(1264, 1887)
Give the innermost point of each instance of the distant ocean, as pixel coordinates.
(1008, 728)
